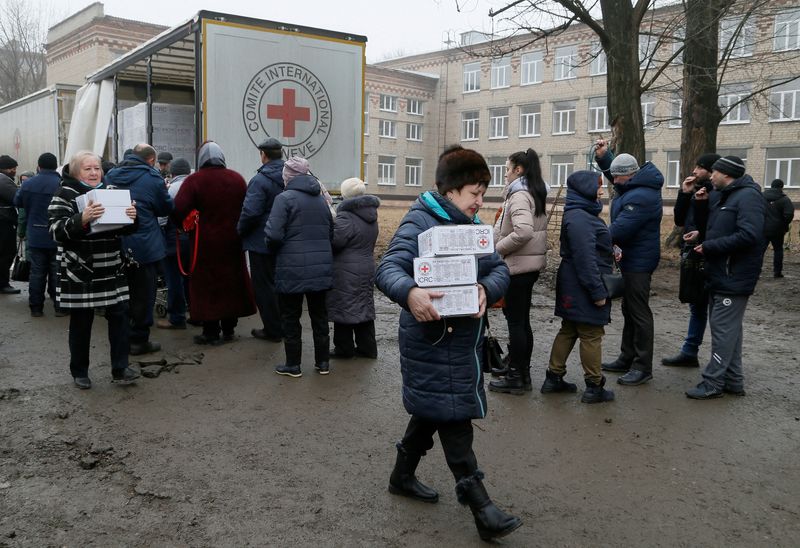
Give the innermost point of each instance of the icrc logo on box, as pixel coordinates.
(288, 102)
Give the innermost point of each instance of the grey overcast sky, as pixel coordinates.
(407, 26)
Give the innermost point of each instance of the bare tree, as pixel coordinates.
(23, 32)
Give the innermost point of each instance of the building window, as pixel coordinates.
(738, 152)
(561, 167)
(673, 168)
(366, 114)
(472, 77)
(365, 174)
(784, 163)
(783, 102)
(648, 112)
(497, 167)
(566, 62)
(386, 170)
(735, 41)
(469, 126)
(414, 132)
(498, 123)
(786, 35)
(387, 128)
(598, 114)
(501, 73)
(647, 48)
(677, 46)
(675, 111)
(564, 117)
(414, 106)
(413, 172)
(599, 63)
(389, 103)
(530, 120)
(532, 68)
(731, 97)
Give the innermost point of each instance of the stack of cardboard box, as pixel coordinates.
(114, 201)
(448, 263)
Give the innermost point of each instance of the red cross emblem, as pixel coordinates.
(17, 142)
(483, 242)
(425, 268)
(289, 113)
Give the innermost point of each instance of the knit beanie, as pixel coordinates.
(293, 167)
(180, 167)
(624, 164)
(47, 161)
(733, 166)
(353, 187)
(776, 183)
(706, 161)
(7, 162)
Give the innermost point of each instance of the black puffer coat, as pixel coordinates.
(355, 231)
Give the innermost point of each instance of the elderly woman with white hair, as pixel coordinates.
(90, 273)
(351, 305)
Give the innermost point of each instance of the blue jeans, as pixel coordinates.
(44, 273)
(698, 316)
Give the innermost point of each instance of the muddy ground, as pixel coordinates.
(217, 450)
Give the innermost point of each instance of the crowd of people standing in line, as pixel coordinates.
(194, 229)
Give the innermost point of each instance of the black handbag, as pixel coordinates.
(492, 356)
(692, 282)
(614, 282)
(21, 267)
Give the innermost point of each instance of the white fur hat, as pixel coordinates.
(353, 187)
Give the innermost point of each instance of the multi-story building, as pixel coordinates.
(551, 96)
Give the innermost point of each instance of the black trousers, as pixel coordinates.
(80, 337)
(456, 438)
(364, 335)
(777, 253)
(517, 312)
(291, 305)
(636, 347)
(211, 329)
(262, 272)
(142, 286)
(8, 250)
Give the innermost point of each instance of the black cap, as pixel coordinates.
(180, 167)
(164, 157)
(270, 144)
(7, 162)
(706, 161)
(47, 160)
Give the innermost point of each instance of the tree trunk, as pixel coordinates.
(623, 87)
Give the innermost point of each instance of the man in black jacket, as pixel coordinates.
(733, 248)
(778, 222)
(8, 222)
(684, 216)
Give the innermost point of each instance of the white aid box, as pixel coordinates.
(458, 300)
(455, 270)
(115, 202)
(456, 240)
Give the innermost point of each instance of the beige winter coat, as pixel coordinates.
(519, 237)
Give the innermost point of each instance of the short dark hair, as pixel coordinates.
(458, 167)
(47, 160)
(272, 153)
(776, 183)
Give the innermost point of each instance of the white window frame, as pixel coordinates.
(786, 31)
(497, 167)
(365, 165)
(413, 131)
(599, 64)
(648, 112)
(414, 107)
(677, 44)
(740, 114)
(564, 117)
(387, 129)
(366, 114)
(647, 47)
(675, 111)
(388, 103)
(470, 125)
(745, 43)
(413, 171)
(566, 63)
(387, 170)
(783, 166)
(561, 169)
(472, 77)
(598, 114)
(498, 123)
(501, 73)
(673, 168)
(530, 117)
(784, 100)
(531, 68)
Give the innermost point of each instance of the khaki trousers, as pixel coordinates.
(591, 348)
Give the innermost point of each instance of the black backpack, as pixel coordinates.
(773, 221)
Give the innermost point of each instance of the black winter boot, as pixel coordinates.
(510, 384)
(526, 379)
(555, 383)
(490, 520)
(595, 393)
(404, 482)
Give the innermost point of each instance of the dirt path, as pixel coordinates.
(220, 451)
